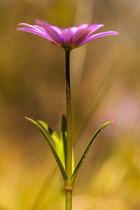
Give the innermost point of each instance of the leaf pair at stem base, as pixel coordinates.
(58, 146)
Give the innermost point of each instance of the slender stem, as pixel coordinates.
(68, 194)
(68, 152)
(68, 156)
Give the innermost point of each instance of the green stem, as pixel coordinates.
(68, 155)
(68, 152)
(68, 196)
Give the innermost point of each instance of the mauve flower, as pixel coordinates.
(67, 38)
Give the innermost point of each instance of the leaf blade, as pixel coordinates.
(78, 166)
(63, 138)
(49, 130)
(37, 125)
(57, 141)
(63, 135)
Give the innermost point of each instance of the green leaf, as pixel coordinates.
(57, 141)
(63, 137)
(87, 149)
(60, 165)
(73, 161)
(49, 130)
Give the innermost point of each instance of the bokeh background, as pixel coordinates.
(105, 78)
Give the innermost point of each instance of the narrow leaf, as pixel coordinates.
(63, 138)
(87, 149)
(49, 130)
(51, 147)
(57, 141)
(63, 134)
(73, 161)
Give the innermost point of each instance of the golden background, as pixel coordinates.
(105, 77)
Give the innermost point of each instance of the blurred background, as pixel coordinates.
(105, 79)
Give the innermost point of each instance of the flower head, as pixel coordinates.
(67, 38)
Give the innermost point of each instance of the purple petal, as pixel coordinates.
(53, 34)
(82, 26)
(36, 27)
(73, 29)
(96, 36)
(67, 35)
(33, 31)
(94, 27)
(58, 30)
(79, 36)
(40, 28)
(30, 26)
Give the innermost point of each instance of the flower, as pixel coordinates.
(67, 38)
